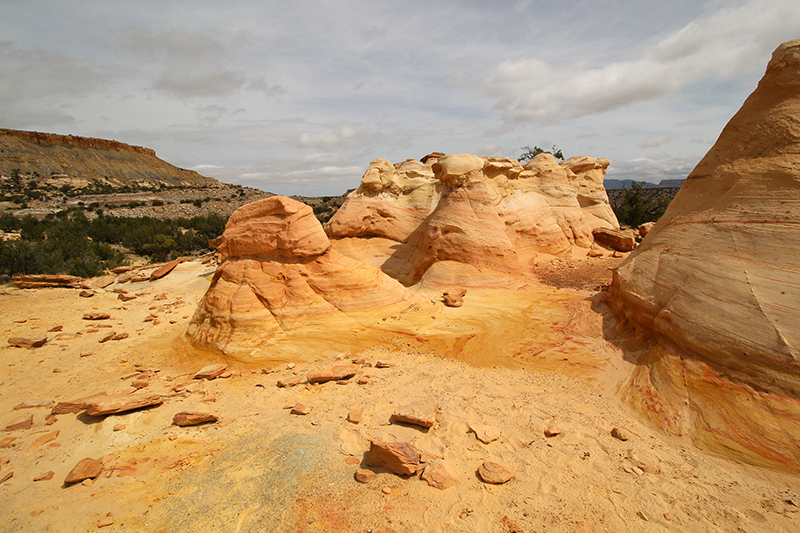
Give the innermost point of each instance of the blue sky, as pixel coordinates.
(298, 97)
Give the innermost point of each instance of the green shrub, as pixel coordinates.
(636, 208)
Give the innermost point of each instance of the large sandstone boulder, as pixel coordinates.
(718, 277)
(489, 213)
(280, 273)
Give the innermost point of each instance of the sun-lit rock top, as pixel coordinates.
(488, 212)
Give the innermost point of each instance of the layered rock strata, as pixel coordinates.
(718, 278)
(279, 273)
(492, 213)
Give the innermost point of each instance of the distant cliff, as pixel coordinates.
(84, 160)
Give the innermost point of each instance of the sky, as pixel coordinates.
(298, 97)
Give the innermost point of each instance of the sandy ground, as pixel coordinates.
(261, 468)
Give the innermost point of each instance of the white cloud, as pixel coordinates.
(719, 45)
(654, 142)
(332, 139)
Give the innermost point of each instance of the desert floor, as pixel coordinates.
(519, 361)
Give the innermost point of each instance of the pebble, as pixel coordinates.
(619, 433)
(300, 409)
(46, 476)
(105, 521)
(364, 475)
(552, 431)
(386, 490)
(356, 415)
(87, 468)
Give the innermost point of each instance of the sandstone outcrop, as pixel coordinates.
(491, 213)
(280, 274)
(717, 279)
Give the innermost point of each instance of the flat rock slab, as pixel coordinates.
(495, 473)
(22, 422)
(211, 371)
(398, 457)
(30, 404)
(166, 269)
(620, 240)
(85, 469)
(486, 433)
(188, 418)
(332, 372)
(38, 281)
(96, 316)
(75, 406)
(120, 404)
(437, 476)
(30, 341)
(420, 414)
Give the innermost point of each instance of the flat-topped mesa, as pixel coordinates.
(280, 274)
(488, 212)
(719, 274)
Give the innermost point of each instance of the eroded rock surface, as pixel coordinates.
(279, 274)
(491, 213)
(717, 280)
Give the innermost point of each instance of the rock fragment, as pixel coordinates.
(332, 372)
(398, 457)
(437, 476)
(87, 468)
(486, 433)
(189, 418)
(356, 415)
(121, 404)
(211, 371)
(291, 381)
(454, 298)
(364, 475)
(495, 473)
(96, 316)
(619, 433)
(300, 409)
(31, 404)
(30, 341)
(420, 414)
(619, 240)
(45, 476)
(552, 431)
(75, 406)
(22, 422)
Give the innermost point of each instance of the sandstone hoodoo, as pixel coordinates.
(717, 279)
(281, 275)
(491, 213)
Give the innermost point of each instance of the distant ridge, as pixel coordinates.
(86, 160)
(626, 184)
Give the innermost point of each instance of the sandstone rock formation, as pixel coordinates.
(717, 279)
(78, 161)
(279, 274)
(492, 213)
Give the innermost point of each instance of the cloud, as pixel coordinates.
(654, 168)
(719, 45)
(170, 46)
(337, 139)
(654, 142)
(187, 83)
(26, 74)
(260, 84)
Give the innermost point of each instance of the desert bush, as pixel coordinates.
(636, 208)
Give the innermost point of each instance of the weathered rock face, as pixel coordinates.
(280, 272)
(491, 213)
(719, 274)
(85, 159)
